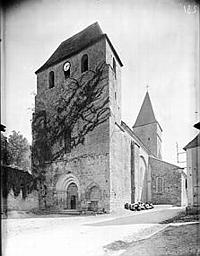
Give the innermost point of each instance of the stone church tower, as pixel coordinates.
(77, 103)
(148, 129)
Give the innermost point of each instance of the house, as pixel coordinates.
(193, 173)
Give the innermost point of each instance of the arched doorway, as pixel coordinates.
(94, 198)
(72, 196)
(93, 195)
(68, 192)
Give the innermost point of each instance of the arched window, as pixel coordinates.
(114, 66)
(51, 79)
(84, 63)
(159, 185)
(66, 69)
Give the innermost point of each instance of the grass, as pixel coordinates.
(182, 217)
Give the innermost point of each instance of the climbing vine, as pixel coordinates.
(16, 180)
(78, 107)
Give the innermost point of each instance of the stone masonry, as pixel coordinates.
(166, 182)
(110, 164)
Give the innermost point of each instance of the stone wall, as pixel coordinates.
(120, 169)
(184, 186)
(166, 182)
(18, 190)
(193, 176)
(114, 85)
(19, 203)
(89, 170)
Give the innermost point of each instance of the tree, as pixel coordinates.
(19, 151)
(4, 151)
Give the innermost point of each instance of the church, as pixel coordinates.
(86, 157)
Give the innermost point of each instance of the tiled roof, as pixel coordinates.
(77, 43)
(146, 114)
(153, 158)
(194, 143)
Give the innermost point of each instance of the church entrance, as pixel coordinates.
(73, 202)
(68, 192)
(72, 196)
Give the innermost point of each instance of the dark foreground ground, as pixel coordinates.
(174, 240)
(181, 238)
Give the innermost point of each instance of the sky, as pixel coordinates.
(157, 41)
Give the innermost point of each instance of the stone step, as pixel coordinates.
(66, 212)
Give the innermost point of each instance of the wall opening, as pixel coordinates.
(66, 69)
(68, 192)
(84, 63)
(114, 66)
(51, 80)
(72, 196)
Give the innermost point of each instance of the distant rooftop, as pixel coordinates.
(77, 43)
(193, 143)
(197, 125)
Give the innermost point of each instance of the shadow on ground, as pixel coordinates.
(181, 240)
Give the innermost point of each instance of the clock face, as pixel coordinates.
(66, 66)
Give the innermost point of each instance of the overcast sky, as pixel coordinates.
(157, 41)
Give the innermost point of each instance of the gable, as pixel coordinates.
(193, 143)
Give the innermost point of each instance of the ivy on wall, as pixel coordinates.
(16, 180)
(77, 108)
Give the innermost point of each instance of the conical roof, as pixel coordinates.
(146, 114)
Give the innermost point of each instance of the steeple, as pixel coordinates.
(146, 114)
(147, 128)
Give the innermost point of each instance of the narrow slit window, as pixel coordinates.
(159, 185)
(51, 80)
(186, 183)
(84, 63)
(114, 66)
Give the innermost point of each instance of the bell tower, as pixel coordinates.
(148, 129)
(77, 104)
